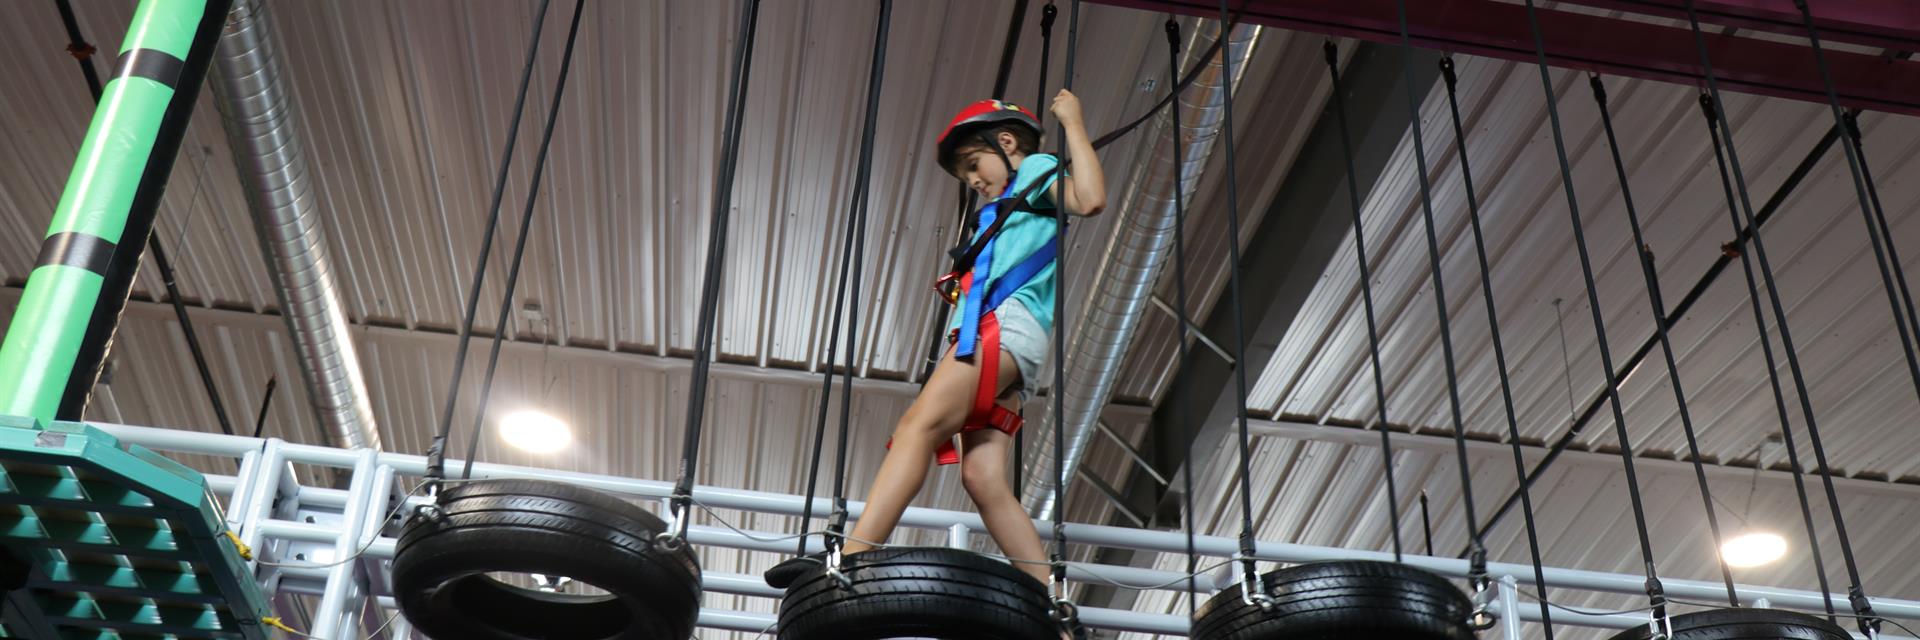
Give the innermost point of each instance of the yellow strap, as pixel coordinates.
(277, 624)
(246, 553)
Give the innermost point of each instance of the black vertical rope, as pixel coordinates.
(1426, 522)
(437, 451)
(266, 402)
(1477, 571)
(194, 349)
(520, 243)
(1008, 47)
(1452, 79)
(1869, 202)
(1766, 348)
(78, 46)
(862, 179)
(1366, 295)
(826, 384)
(1180, 288)
(1047, 15)
(716, 257)
(1852, 121)
(1855, 595)
(1250, 576)
(1660, 328)
(1700, 286)
(943, 313)
(1059, 559)
(1656, 595)
(1868, 205)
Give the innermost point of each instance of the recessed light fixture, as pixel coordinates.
(535, 432)
(1753, 548)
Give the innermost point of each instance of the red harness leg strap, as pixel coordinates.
(985, 413)
(988, 359)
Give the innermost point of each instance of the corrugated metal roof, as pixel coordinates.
(1329, 493)
(1817, 248)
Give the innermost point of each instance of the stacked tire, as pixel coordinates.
(924, 592)
(549, 528)
(1341, 600)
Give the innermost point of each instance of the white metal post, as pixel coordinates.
(333, 603)
(237, 504)
(1509, 608)
(263, 486)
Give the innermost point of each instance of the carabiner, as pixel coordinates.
(833, 569)
(1661, 626)
(1482, 617)
(948, 287)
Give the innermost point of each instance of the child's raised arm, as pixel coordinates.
(1083, 191)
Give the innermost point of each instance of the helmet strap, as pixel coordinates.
(995, 146)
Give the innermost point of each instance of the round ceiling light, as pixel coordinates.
(1753, 548)
(535, 432)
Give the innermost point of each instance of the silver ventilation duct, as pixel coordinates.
(1142, 239)
(250, 87)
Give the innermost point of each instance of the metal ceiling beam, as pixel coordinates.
(1616, 46)
(1297, 238)
(1442, 443)
(143, 311)
(1888, 24)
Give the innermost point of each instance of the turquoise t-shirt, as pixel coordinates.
(1024, 234)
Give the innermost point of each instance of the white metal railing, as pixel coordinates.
(314, 525)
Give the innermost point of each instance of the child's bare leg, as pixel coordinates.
(983, 470)
(936, 415)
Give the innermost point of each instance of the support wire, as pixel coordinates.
(1656, 594)
(1384, 426)
(1477, 558)
(1452, 78)
(1651, 275)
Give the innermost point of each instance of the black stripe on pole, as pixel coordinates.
(71, 249)
(152, 64)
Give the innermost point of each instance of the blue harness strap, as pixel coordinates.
(981, 300)
(1020, 274)
(971, 309)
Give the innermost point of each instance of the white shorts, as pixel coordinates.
(1023, 339)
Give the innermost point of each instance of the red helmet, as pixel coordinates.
(980, 114)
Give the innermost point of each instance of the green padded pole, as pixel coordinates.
(118, 174)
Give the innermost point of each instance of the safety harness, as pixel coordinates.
(978, 336)
(979, 333)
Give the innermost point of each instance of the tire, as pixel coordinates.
(532, 526)
(1341, 600)
(1744, 624)
(921, 592)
